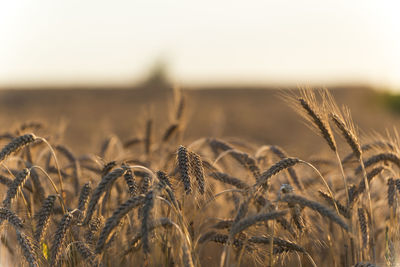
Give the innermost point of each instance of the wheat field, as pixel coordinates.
(163, 199)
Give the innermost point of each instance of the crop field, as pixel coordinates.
(198, 178)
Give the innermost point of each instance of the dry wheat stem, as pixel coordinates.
(160, 222)
(57, 165)
(173, 128)
(390, 191)
(75, 162)
(60, 197)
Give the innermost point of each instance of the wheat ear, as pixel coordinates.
(321, 209)
(86, 253)
(15, 187)
(43, 217)
(342, 209)
(100, 189)
(60, 237)
(391, 190)
(249, 221)
(173, 128)
(281, 243)
(196, 166)
(379, 158)
(114, 220)
(363, 226)
(361, 186)
(319, 122)
(183, 164)
(27, 248)
(282, 155)
(16, 144)
(84, 196)
(161, 222)
(93, 229)
(227, 179)
(275, 169)
(148, 136)
(130, 182)
(11, 217)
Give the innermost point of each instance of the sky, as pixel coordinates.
(201, 42)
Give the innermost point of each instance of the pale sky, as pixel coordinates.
(203, 42)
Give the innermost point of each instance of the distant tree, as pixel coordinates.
(158, 75)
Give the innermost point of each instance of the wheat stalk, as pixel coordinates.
(76, 165)
(146, 214)
(148, 136)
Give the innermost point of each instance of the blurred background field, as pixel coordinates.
(86, 117)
